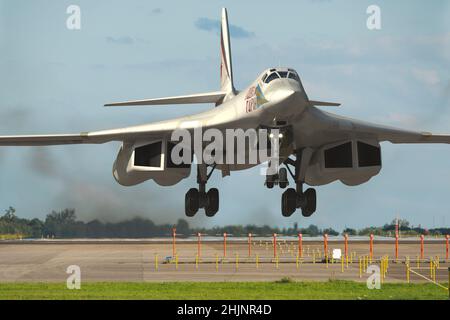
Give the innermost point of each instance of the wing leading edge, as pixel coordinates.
(400, 136)
(392, 134)
(208, 97)
(47, 139)
(133, 133)
(382, 133)
(324, 103)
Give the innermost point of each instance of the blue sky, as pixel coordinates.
(56, 80)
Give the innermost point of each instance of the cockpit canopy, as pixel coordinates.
(279, 73)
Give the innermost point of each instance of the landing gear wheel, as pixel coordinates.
(212, 204)
(282, 178)
(288, 202)
(310, 207)
(191, 202)
(270, 180)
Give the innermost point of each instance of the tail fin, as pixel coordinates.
(226, 70)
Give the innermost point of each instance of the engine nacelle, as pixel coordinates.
(141, 161)
(352, 162)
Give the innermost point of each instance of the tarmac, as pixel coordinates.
(153, 260)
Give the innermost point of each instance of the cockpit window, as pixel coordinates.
(264, 77)
(293, 75)
(271, 77)
(277, 74)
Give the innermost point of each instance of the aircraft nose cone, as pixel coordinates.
(287, 93)
(283, 95)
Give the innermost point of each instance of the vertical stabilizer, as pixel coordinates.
(226, 70)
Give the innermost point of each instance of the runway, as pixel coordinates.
(152, 260)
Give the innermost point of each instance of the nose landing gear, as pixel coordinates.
(280, 179)
(199, 198)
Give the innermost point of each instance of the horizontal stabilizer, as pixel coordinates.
(324, 103)
(208, 97)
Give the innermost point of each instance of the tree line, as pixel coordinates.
(64, 224)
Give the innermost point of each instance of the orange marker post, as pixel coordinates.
(274, 245)
(249, 244)
(199, 245)
(300, 245)
(371, 247)
(446, 246)
(396, 227)
(421, 246)
(174, 234)
(345, 245)
(224, 244)
(396, 247)
(325, 245)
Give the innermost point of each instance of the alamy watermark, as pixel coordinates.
(231, 147)
(374, 280)
(374, 20)
(74, 279)
(73, 21)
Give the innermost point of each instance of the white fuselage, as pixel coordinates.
(279, 103)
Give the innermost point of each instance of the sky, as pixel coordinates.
(56, 80)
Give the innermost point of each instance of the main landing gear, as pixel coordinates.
(295, 198)
(199, 198)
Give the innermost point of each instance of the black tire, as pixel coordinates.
(212, 205)
(282, 178)
(191, 202)
(270, 181)
(311, 200)
(288, 202)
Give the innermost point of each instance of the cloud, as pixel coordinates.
(125, 40)
(427, 76)
(212, 25)
(14, 117)
(402, 119)
(446, 92)
(157, 11)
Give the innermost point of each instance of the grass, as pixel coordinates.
(12, 236)
(221, 290)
